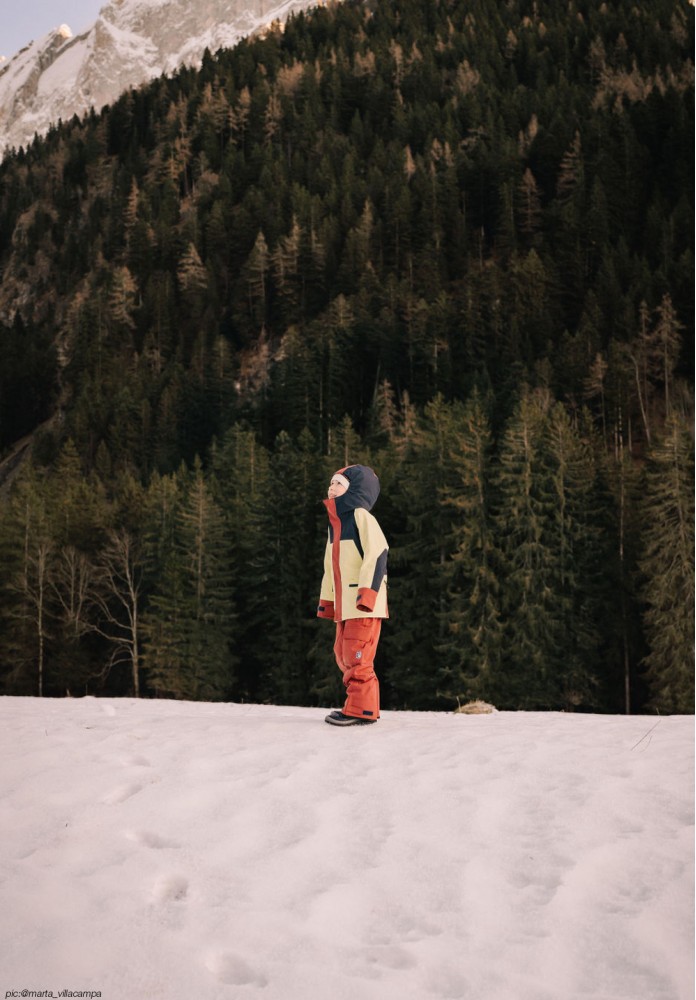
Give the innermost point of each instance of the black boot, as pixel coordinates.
(339, 719)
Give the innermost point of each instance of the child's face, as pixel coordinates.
(336, 488)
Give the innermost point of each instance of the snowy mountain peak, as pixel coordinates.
(131, 42)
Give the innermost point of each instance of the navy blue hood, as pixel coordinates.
(362, 492)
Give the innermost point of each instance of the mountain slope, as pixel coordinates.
(131, 42)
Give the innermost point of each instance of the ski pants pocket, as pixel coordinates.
(355, 647)
(356, 644)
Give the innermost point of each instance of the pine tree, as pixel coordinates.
(384, 415)
(28, 560)
(667, 343)
(122, 299)
(527, 601)
(547, 541)
(190, 621)
(581, 555)
(287, 562)
(243, 488)
(420, 546)
(667, 567)
(624, 484)
(254, 274)
(286, 267)
(529, 207)
(192, 275)
(469, 654)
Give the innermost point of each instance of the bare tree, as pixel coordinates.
(32, 587)
(73, 584)
(117, 593)
(29, 584)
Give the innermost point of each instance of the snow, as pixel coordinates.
(18, 70)
(129, 43)
(61, 74)
(160, 849)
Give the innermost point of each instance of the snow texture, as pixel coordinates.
(130, 43)
(159, 849)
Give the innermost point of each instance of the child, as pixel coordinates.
(354, 589)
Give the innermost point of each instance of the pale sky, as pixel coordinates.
(21, 21)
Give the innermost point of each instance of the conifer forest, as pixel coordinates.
(450, 239)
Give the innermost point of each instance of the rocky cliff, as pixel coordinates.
(131, 42)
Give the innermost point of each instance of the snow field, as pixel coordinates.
(160, 849)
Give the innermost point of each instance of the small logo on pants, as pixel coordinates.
(358, 655)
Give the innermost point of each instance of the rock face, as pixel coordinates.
(131, 42)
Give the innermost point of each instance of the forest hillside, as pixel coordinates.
(452, 240)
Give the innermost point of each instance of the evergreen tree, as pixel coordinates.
(581, 555)
(419, 551)
(623, 478)
(469, 655)
(189, 624)
(667, 566)
(28, 560)
(287, 560)
(243, 487)
(544, 526)
(255, 282)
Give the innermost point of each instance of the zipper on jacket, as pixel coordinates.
(335, 522)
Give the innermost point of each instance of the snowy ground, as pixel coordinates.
(195, 851)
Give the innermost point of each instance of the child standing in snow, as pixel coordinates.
(354, 589)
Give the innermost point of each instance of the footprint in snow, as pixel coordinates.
(121, 793)
(390, 956)
(233, 970)
(147, 839)
(448, 983)
(170, 889)
(138, 761)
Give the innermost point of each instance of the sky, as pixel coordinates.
(22, 22)
(160, 848)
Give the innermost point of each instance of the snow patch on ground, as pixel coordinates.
(170, 850)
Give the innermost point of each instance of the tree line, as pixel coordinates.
(539, 571)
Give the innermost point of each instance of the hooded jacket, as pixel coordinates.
(355, 561)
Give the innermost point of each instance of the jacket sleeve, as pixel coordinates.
(325, 608)
(374, 564)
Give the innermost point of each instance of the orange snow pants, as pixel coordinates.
(355, 647)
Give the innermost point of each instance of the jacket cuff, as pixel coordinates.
(325, 609)
(366, 599)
